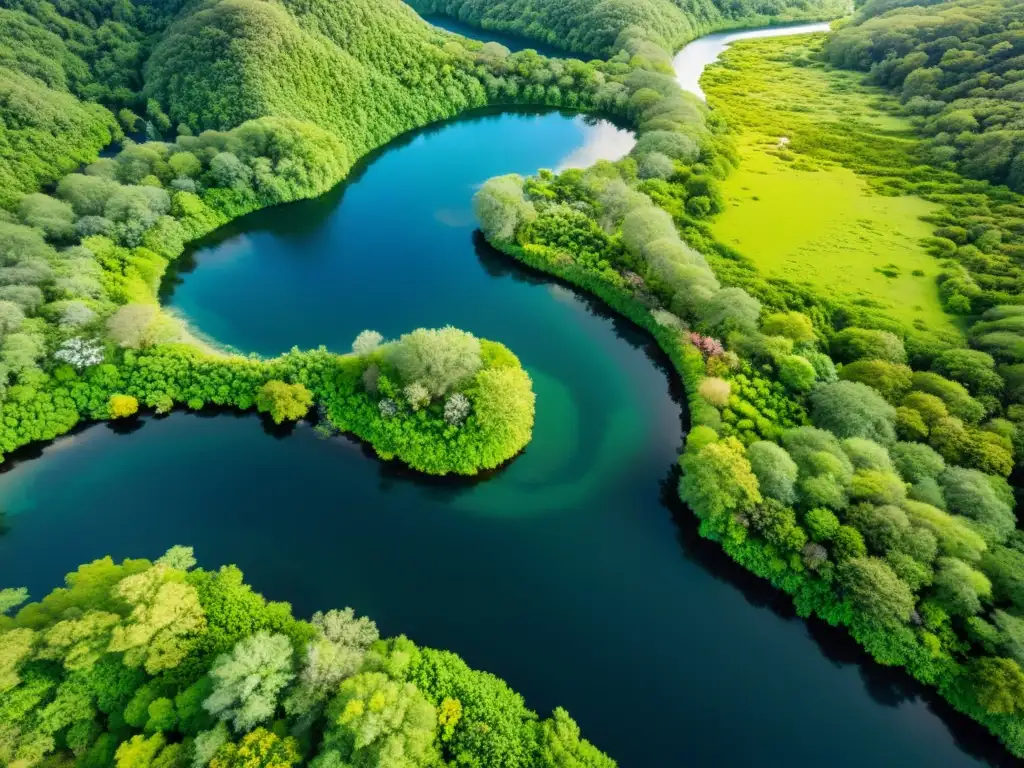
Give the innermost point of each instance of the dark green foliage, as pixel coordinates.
(852, 409)
(885, 528)
(892, 380)
(983, 498)
(776, 472)
(852, 344)
(777, 524)
(998, 685)
(496, 728)
(1005, 567)
(958, 401)
(958, 588)
(974, 369)
(916, 462)
(44, 133)
(956, 65)
(876, 591)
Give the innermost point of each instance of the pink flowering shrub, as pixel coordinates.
(709, 346)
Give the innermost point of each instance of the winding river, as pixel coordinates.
(691, 61)
(571, 573)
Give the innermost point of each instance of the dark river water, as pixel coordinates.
(572, 573)
(512, 42)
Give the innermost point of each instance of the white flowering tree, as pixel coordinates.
(457, 409)
(417, 396)
(80, 353)
(76, 314)
(366, 342)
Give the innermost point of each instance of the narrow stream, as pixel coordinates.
(695, 57)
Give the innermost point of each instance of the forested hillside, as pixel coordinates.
(594, 27)
(65, 68)
(45, 130)
(959, 69)
(364, 70)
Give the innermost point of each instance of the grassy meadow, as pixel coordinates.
(815, 199)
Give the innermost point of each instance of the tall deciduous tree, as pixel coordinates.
(165, 613)
(876, 591)
(248, 681)
(439, 359)
(284, 402)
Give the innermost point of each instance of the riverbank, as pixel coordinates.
(692, 61)
(470, 410)
(800, 422)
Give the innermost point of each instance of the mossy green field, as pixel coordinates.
(805, 205)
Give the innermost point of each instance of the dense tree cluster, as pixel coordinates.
(65, 68)
(595, 28)
(138, 664)
(45, 131)
(482, 420)
(957, 67)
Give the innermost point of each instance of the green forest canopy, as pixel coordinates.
(596, 27)
(959, 69)
(145, 664)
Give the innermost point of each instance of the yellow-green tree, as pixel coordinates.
(284, 402)
(259, 749)
(122, 406)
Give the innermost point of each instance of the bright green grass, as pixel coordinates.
(827, 228)
(806, 212)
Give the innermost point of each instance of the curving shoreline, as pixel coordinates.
(694, 57)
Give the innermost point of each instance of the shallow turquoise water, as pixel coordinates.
(570, 573)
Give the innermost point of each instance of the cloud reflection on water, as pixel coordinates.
(601, 141)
